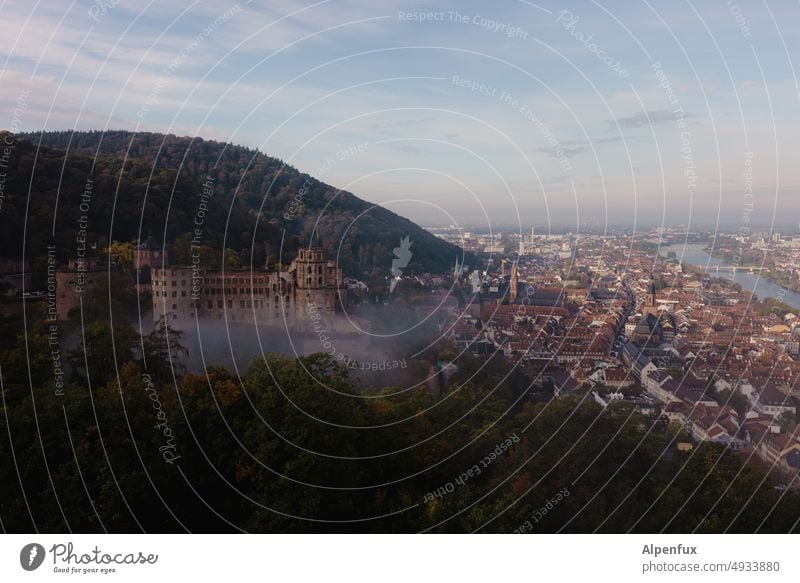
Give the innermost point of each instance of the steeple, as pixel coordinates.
(650, 306)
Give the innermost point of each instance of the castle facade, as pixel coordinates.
(311, 284)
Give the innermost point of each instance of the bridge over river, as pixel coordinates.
(735, 268)
(748, 277)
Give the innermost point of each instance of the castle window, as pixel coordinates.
(183, 293)
(320, 281)
(175, 294)
(219, 304)
(210, 304)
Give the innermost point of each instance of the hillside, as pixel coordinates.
(159, 180)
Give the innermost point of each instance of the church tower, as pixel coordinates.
(650, 306)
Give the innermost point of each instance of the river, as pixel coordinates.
(764, 288)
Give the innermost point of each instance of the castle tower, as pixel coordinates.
(311, 269)
(150, 254)
(317, 282)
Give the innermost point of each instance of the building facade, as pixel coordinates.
(73, 282)
(311, 283)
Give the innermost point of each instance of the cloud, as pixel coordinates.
(568, 151)
(388, 128)
(659, 117)
(572, 148)
(407, 149)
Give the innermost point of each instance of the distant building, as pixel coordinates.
(514, 283)
(73, 281)
(770, 400)
(149, 254)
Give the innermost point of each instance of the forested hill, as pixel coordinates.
(162, 182)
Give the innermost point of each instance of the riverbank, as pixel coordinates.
(775, 277)
(758, 283)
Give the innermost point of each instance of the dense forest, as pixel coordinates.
(255, 206)
(127, 443)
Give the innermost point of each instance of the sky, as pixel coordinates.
(634, 113)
